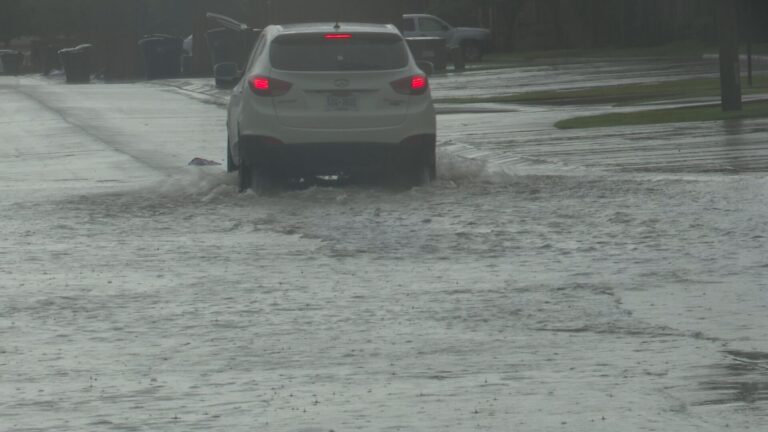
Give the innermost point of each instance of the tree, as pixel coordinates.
(13, 15)
(730, 74)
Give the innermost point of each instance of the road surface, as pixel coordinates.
(547, 281)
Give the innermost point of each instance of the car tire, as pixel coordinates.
(259, 180)
(421, 176)
(426, 171)
(263, 182)
(426, 157)
(231, 167)
(413, 167)
(431, 159)
(244, 177)
(404, 179)
(472, 51)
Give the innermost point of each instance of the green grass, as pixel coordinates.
(622, 94)
(673, 115)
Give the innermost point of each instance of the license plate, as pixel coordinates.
(341, 103)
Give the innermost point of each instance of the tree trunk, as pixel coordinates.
(201, 65)
(730, 74)
(118, 25)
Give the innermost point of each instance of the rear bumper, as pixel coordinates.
(259, 119)
(308, 159)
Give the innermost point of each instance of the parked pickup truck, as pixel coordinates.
(475, 41)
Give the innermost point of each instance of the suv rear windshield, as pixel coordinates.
(357, 53)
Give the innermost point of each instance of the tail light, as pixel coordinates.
(413, 85)
(268, 87)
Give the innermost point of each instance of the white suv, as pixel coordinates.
(330, 100)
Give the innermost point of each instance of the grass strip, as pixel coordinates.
(758, 109)
(621, 94)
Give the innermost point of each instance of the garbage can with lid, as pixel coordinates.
(431, 49)
(77, 63)
(10, 62)
(162, 56)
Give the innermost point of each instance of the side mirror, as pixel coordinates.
(227, 75)
(426, 66)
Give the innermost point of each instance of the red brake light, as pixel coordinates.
(418, 82)
(338, 36)
(269, 87)
(413, 85)
(259, 83)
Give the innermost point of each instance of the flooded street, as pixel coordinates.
(549, 280)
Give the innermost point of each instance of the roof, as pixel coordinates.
(419, 16)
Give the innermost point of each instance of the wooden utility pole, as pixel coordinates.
(730, 71)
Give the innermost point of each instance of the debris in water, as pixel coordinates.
(202, 162)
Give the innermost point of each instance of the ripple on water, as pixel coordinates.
(742, 378)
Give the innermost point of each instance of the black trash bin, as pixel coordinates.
(77, 63)
(430, 49)
(162, 56)
(10, 62)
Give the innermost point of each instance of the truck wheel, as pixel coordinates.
(472, 51)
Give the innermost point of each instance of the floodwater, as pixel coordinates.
(526, 289)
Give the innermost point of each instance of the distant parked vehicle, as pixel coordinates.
(474, 41)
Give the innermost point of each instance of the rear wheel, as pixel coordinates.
(244, 177)
(258, 179)
(472, 51)
(431, 159)
(414, 165)
(421, 175)
(230, 162)
(263, 182)
(427, 161)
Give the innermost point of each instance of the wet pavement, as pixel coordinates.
(524, 134)
(549, 280)
(571, 74)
